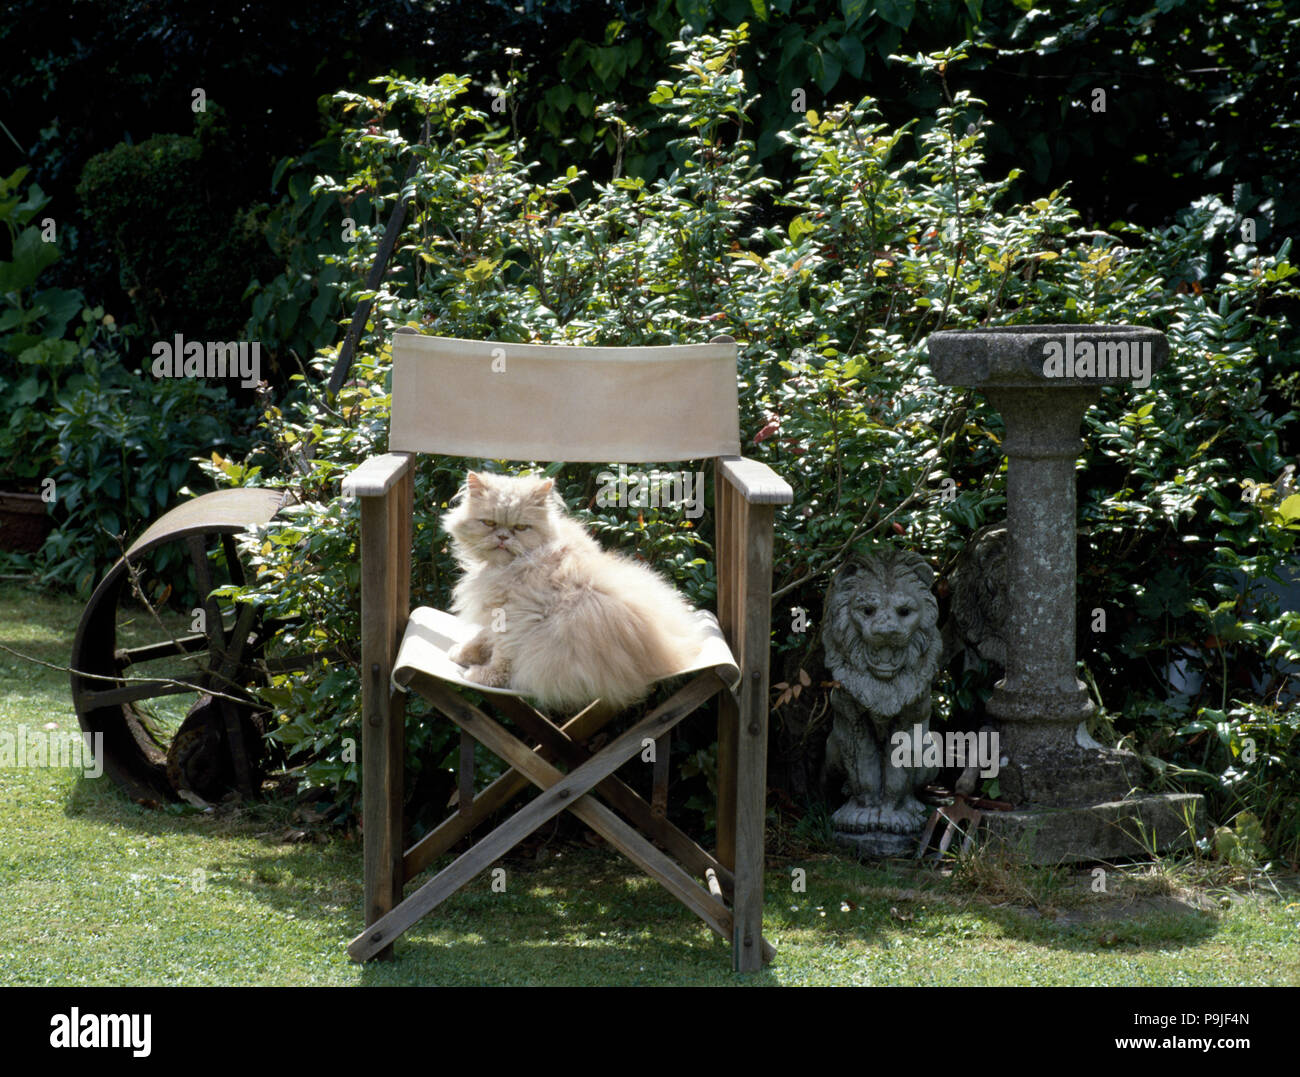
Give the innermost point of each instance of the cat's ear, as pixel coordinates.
(474, 482)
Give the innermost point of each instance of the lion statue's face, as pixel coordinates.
(881, 637)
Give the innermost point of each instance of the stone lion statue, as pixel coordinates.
(883, 647)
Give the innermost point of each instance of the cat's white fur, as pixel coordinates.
(560, 619)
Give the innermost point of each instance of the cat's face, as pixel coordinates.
(500, 517)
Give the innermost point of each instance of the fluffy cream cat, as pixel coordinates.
(560, 619)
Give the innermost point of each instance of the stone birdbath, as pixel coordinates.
(1075, 796)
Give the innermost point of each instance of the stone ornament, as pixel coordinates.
(883, 646)
(1074, 800)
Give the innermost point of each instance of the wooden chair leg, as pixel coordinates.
(751, 819)
(727, 506)
(751, 745)
(465, 790)
(385, 605)
(746, 498)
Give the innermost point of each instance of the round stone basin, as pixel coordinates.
(1039, 356)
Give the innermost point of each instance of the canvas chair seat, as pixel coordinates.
(430, 634)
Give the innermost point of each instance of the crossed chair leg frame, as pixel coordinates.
(574, 791)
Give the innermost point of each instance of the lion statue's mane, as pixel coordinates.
(883, 659)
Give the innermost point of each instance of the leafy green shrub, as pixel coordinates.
(1247, 762)
(831, 306)
(126, 448)
(35, 359)
(294, 311)
(115, 443)
(187, 251)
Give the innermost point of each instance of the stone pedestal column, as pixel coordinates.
(1042, 443)
(1040, 703)
(1042, 379)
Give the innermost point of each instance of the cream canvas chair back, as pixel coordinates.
(497, 401)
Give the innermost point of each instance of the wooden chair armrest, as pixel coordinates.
(376, 476)
(757, 483)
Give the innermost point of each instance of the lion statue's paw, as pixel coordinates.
(903, 819)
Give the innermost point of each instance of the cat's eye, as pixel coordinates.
(488, 523)
(870, 611)
(522, 527)
(903, 611)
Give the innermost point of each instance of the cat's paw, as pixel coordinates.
(470, 653)
(489, 676)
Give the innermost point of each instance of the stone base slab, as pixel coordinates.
(1069, 774)
(1104, 831)
(877, 844)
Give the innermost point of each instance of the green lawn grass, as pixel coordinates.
(96, 890)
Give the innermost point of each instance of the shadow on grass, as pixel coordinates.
(584, 917)
(587, 915)
(913, 899)
(662, 960)
(289, 876)
(1137, 925)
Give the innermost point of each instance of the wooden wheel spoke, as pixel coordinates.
(238, 746)
(90, 699)
(233, 564)
(234, 652)
(166, 649)
(198, 548)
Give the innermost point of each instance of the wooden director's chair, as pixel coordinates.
(485, 400)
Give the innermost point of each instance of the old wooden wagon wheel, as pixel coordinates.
(170, 693)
